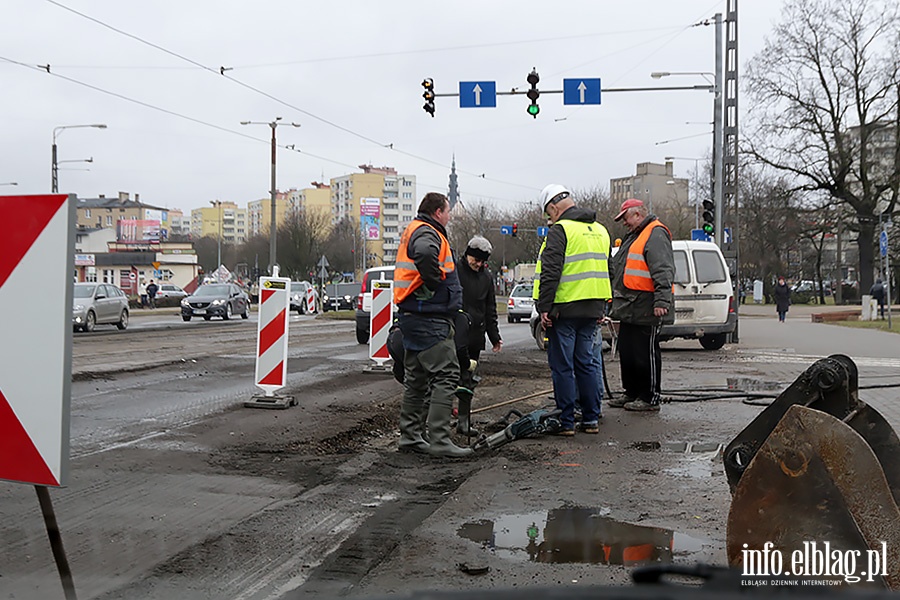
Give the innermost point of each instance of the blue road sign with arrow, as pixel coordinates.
(477, 94)
(506, 229)
(581, 91)
(883, 243)
(542, 231)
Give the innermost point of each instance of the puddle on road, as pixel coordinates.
(580, 535)
(700, 459)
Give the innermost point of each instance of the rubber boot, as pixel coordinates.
(412, 428)
(440, 443)
(464, 423)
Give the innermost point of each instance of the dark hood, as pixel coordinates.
(576, 213)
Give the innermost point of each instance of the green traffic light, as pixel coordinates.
(708, 228)
(533, 109)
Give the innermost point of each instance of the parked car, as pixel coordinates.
(168, 290)
(94, 303)
(520, 302)
(216, 300)
(299, 290)
(704, 298)
(364, 300)
(340, 296)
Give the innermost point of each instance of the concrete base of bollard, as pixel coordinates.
(262, 401)
(378, 370)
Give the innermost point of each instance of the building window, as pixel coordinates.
(407, 195)
(109, 220)
(87, 213)
(90, 274)
(109, 276)
(407, 207)
(407, 183)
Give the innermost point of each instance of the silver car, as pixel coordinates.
(519, 305)
(95, 303)
(168, 290)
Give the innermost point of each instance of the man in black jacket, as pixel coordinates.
(643, 272)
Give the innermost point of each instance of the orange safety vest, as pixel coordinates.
(637, 274)
(406, 277)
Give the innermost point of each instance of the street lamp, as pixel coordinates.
(697, 178)
(274, 225)
(718, 132)
(54, 168)
(218, 203)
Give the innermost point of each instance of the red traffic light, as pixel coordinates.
(515, 229)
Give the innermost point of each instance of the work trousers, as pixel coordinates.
(641, 361)
(431, 375)
(570, 354)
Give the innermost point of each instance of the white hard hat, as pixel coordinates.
(552, 192)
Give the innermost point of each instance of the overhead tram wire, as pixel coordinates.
(221, 71)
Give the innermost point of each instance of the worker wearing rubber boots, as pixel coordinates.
(571, 292)
(428, 294)
(480, 304)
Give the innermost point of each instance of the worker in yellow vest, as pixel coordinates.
(573, 288)
(643, 273)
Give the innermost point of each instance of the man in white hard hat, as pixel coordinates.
(572, 290)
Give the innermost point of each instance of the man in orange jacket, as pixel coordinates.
(643, 272)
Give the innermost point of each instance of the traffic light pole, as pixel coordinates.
(718, 139)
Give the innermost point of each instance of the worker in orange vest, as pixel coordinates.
(643, 272)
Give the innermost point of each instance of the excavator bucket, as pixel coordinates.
(815, 486)
(830, 385)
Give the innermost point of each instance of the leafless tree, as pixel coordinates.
(825, 93)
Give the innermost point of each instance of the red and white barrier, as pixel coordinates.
(380, 318)
(310, 300)
(272, 337)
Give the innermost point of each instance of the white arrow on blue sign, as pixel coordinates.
(506, 229)
(477, 94)
(543, 231)
(581, 91)
(883, 243)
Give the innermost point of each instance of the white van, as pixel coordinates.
(704, 297)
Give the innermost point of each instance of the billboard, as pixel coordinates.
(137, 231)
(370, 217)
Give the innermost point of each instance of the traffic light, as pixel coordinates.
(515, 229)
(533, 94)
(428, 84)
(709, 217)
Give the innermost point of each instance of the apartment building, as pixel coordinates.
(259, 212)
(653, 183)
(221, 218)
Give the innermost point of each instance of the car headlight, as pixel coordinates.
(185, 302)
(218, 302)
(78, 308)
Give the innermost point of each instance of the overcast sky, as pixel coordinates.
(350, 74)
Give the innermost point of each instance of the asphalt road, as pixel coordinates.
(177, 491)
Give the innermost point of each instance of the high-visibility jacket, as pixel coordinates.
(637, 274)
(585, 272)
(406, 277)
(536, 290)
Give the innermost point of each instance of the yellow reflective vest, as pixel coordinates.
(585, 272)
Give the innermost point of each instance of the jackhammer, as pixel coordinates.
(538, 422)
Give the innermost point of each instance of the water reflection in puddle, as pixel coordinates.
(580, 535)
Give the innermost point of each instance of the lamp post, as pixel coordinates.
(54, 165)
(218, 203)
(697, 178)
(718, 145)
(274, 224)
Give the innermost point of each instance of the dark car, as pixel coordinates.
(216, 300)
(340, 296)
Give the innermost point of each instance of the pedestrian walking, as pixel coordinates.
(143, 291)
(480, 304)
(643, 272)
(572, 287)
(152, 289)
(877, 291)
(782, 296)
(428, 295)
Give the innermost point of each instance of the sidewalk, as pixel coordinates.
(798, 310)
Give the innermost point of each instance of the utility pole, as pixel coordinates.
(273, 231)
(718, 138)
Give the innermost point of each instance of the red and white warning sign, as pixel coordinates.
(380, 319)
(272, 339)
(310, 300)
(36, 344)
